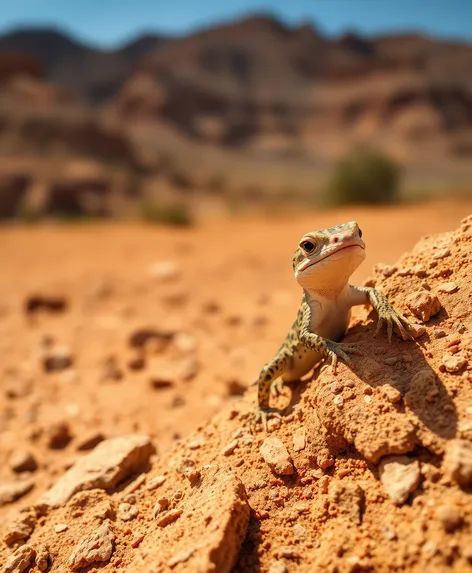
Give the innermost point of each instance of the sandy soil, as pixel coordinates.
(220, 298)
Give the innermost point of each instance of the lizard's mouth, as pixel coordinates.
(329, 253)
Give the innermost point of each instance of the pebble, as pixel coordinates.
(423, 304)
(22, 558)
(338, 401)
(392, 394)
(95, 547)
(155, 482)
(448, 288)
(42, 557)
(278, 567)
(127, 512)
(10, 491)
(61, 527)
(229, 448)
(20, 527)
(441, 253)
(168, 517)
(276, 456)
(23, 461)
(58, 435)
(458, 461)
(57, 358)
(452, 363)
(111, 462)
(161, 505)
(449, 517)
(299, 439)
(164, 270)
(400, 476)
(391, 360)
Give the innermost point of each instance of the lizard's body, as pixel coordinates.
(323, 263)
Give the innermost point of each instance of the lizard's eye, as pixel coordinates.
(308, 246)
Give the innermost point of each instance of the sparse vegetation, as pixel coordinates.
(152, 211)
(27, 213)
(365, 177)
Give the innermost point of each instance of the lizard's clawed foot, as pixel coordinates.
(393, 318)
(277, 388)
(263, 415)
(337, 350)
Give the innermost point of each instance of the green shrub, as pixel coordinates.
(167, 214)
(27, 213)
(365, 177)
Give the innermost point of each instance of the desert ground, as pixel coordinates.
(108, 329)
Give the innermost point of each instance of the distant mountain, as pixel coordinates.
(258, 82)
(90, 73)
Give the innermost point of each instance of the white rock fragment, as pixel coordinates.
(19, 560)
(276, 456)
(94, 547)
(452, 363)
(458, 461)
(400, 476)
(164, 270)
(448, 288)
(109, 463)
(299, 439)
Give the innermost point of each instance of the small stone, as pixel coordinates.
(42, 557)
(10, 491)
(299, 439)
(229, 448)
(164, 270)
(23, 461)
(423, 304)
(389, 270)
(449, 517)
(299, 532)
(452, 340)
(192, 474)
(155, 482)
(439, 333)
(58, 358)
(20, 527)
(458, 461)
(391, 360)
(338, 401)
(441, 253)
(400, 476)
(185, 343)
(58, 435)
(162, 381)
(416, 330)
(168, 517)
(276, 456)
(61, 527)
(452, 363)
(161, 505)
(111, 462)
(127, 512)
(235, 387)
(96, 547)
(392, 394)
(180, 557)
(448, 288)
(22, 558)
(278, 567)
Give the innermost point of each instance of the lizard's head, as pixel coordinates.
(326, 259)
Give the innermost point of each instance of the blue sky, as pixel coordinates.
(109, 22)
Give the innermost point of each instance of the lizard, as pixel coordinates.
(323, 264)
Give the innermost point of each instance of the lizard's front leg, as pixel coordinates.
(271, 371)
(386, 312)
(325, 347)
